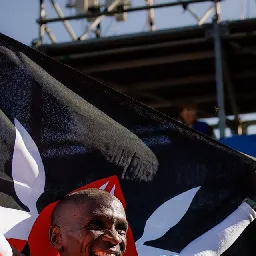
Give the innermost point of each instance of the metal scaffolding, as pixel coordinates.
(97, 17)
(112, 9)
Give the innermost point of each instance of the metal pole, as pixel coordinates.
(42, 16)
(219, 71)
(205, 16)
(187, 8)
(242, 5)
(151, 15)
(236, 123)
(65, 22)
(98, 20)
(50, 35)
(134, 9)
(230, 86)
(98, 31)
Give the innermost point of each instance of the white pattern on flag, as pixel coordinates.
(29, 181)
(104, 186)
(163, 218)
(112, 192)
(5, 248)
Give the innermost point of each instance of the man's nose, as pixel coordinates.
(112, 237)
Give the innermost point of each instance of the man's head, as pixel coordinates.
(89, 223)
(188, 112)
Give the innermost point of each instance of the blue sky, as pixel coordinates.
(18, 20)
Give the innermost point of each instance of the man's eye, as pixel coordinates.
(96, 224)
(121, 232)
(121, 228)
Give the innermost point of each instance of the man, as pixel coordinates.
(188, 116)
(93, 223)
(90, 222)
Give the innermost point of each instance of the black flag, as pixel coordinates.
(53, 141)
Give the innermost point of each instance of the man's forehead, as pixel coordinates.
(110, 206)
(107, 214)
(89, 204)
(106, 210)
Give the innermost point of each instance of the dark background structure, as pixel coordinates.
(211, 64)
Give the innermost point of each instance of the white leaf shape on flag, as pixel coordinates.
(29, 180)
(112, 192)
(27, 169)
(164, 218)
(16, 223)
(104, 186)
(5, 248)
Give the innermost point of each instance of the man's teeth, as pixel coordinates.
(104, 254)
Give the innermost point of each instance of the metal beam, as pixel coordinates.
(159, 101)
(198, 99)
(50, 34)
(43, 28)
(149, 96)
(206, 15)
(131, 49)
(242, 8)
(219, 71)
(138, 94)
(151, 15)
(237, 128)
(133, 9)
(241, 49)
(65, 22)
(111, 52)
(42, 16)
(175, 102)
(145, 87)
(146, 62)
(168, 83)
(149, 85)
(97, 21)
(188, 9)
(230, 86)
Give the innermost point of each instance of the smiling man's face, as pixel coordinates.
(93, 227)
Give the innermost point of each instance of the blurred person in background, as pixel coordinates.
(188, 115)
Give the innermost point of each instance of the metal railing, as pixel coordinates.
(112, 10)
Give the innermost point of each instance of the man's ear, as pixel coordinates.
(55, 237)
